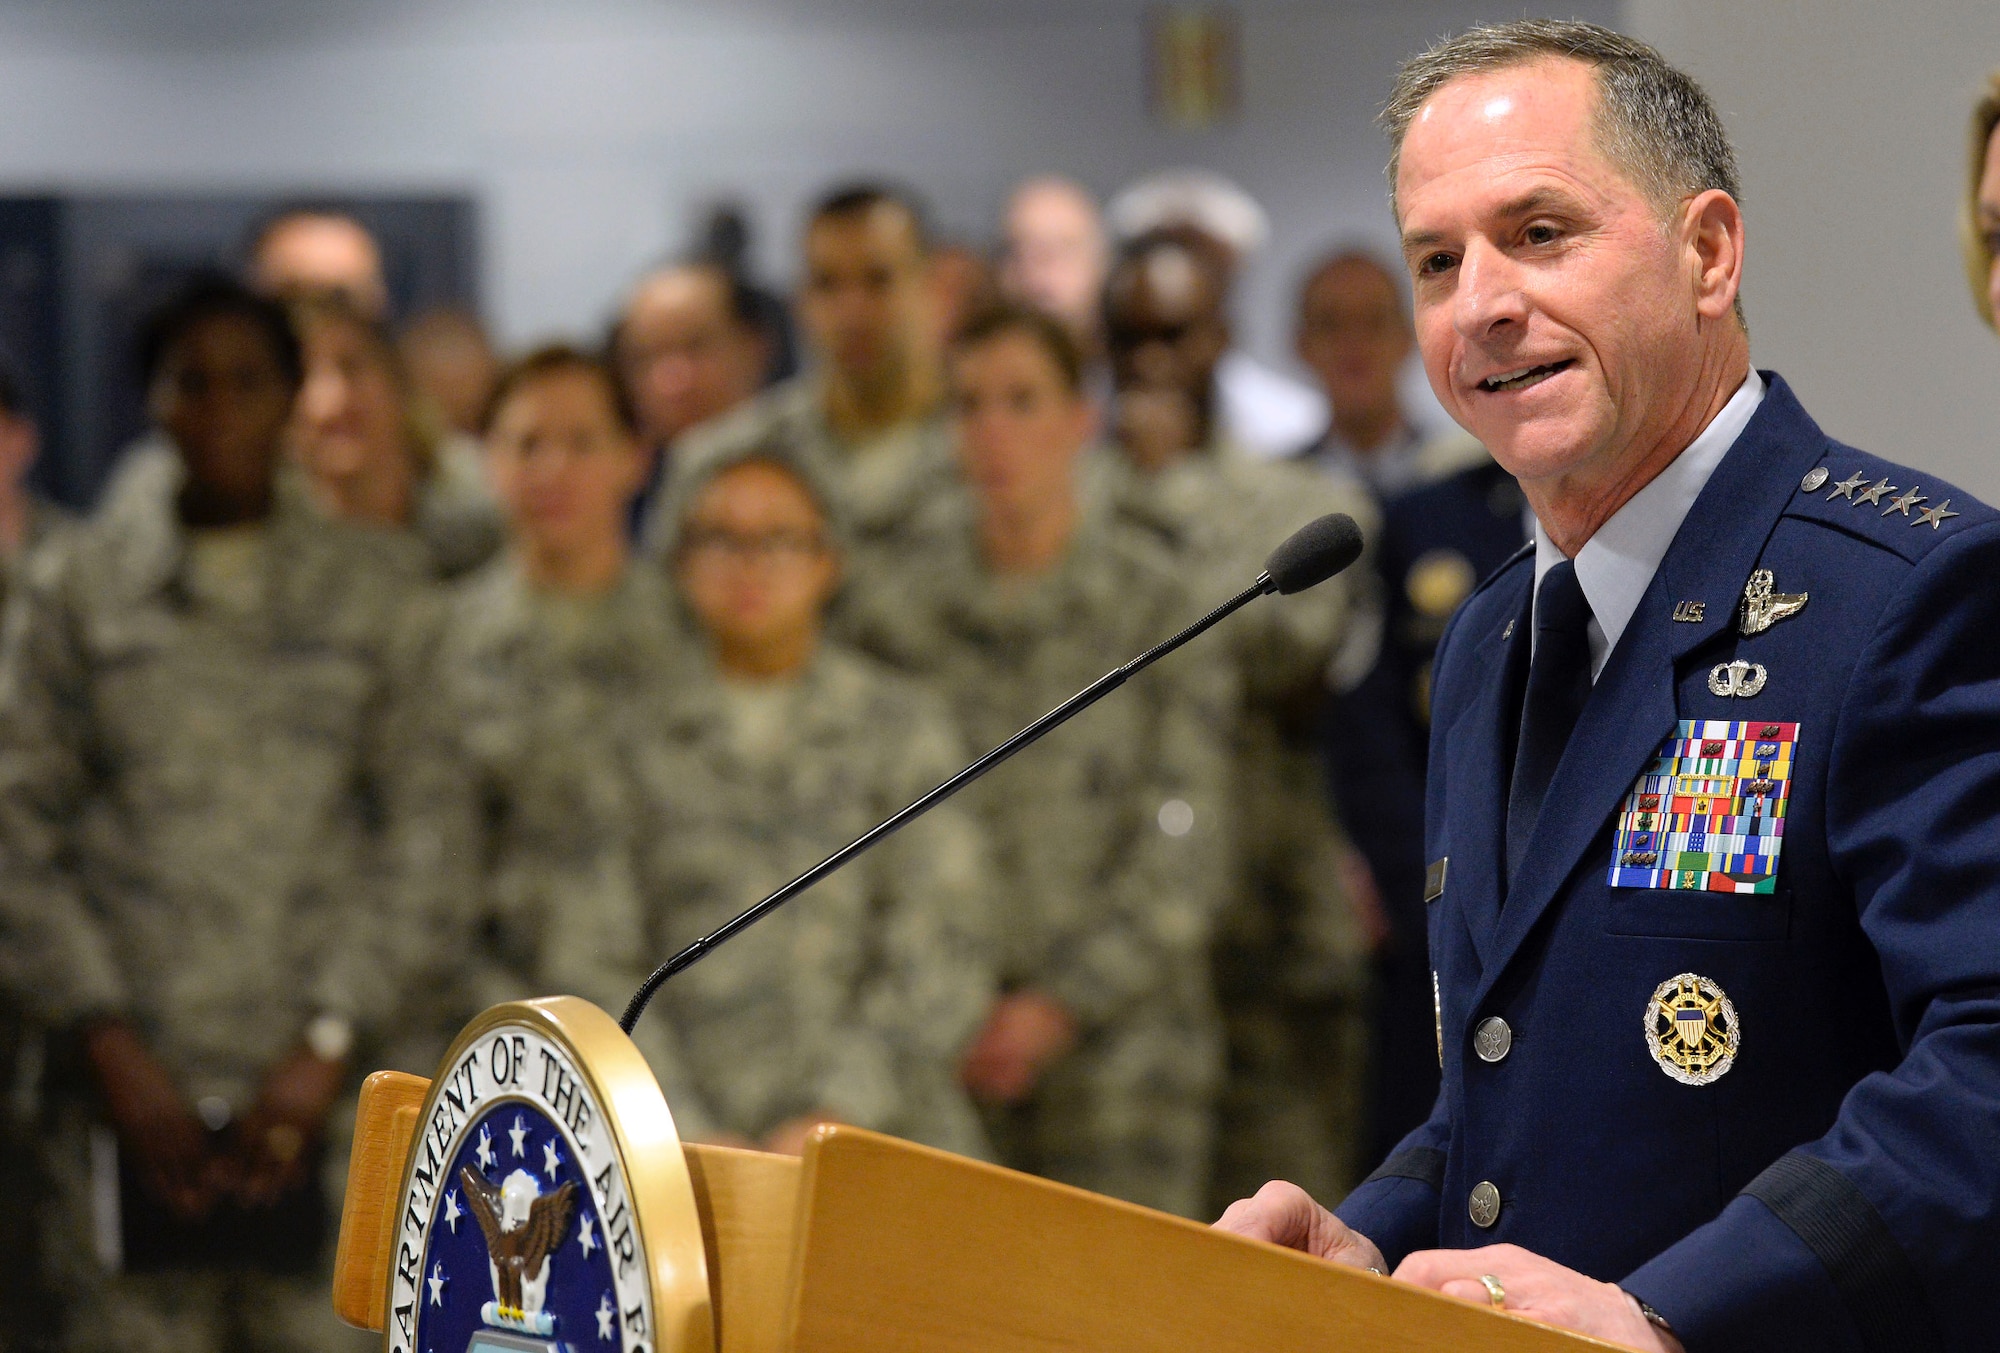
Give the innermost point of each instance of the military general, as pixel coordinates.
(1713, 899)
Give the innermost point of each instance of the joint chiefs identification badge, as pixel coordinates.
(1709, 813)
(546, 1206)
(1691, 1029)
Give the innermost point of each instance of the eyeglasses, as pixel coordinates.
(711, 545)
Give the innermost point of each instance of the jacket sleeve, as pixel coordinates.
(1397, 1205)
(1880, 1234)
(54, 957)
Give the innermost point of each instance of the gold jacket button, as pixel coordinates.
(1484, 1205)
(1493, 1040)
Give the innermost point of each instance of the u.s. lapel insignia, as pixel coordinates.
(1763, 607)
(1692, 1030)
(1739, 678)
(1689, 612)
(1709, 813)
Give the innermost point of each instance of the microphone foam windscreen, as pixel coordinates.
(1314, 553)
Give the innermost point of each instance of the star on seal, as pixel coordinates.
(1692, 1030)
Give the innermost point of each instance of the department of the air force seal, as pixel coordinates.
(547, 1207)
(1691, 1029)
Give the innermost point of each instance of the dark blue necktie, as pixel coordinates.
(1558, 686)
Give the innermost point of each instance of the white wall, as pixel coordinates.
(589, 130)
(1849, 116)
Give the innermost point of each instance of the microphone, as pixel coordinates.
(1307, 558)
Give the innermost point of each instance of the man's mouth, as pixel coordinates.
(1524, 377)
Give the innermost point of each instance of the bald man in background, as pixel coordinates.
(1056, 257)
(299, 251)
(690, 348)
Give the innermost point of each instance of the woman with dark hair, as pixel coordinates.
(190, 773)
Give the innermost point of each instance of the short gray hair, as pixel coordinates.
(1653, 121)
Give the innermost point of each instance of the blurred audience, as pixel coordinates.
(866, 418)
(370, 448)
(1979, 222)
(307, 249)
(510, 755)
(452, 366)
(777, 748)
(1290, 952)
(1055, 258)
(1265, 412)
(962, 284)
(186, 816)
(29, 523)
(1450, 516)
(1354, 334)
(1098, 1065)
(690, 347)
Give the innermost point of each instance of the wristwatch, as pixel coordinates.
(331, 1037)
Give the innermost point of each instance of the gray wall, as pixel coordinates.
(1850, 119)
(589, 131)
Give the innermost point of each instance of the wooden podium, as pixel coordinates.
(873, 1245)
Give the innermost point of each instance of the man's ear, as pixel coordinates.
(1712, 228)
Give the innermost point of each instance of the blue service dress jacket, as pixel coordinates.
(1731, 1036)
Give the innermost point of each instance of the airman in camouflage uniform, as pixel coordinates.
(189, 766)
(625, 796)
(866, 421)
(1111, 838)
(1291, 949)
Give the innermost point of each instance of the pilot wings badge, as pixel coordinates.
(1763, 607)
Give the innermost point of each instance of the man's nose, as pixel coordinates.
(1489, 294)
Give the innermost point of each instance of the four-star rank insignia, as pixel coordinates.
(1692, 1030)
(1709, 813)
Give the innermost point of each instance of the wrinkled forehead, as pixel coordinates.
(1495, 132)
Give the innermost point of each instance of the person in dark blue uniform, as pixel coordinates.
(1438, 540)
(1715, 889)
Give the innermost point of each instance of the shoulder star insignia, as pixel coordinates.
(1904, 502)
(1763, 608)
(1873, 493)
(1846, 487)
(1934, 515)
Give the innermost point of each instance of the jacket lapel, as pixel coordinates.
(1633, 708)
(1478, 755)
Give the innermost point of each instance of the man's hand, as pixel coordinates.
(1540, 1289)
(273, 1140)
(1285, 1214)
(1025, 1032)
(157, 1129)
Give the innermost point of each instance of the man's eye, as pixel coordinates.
(1540, 234)
(1433, 264)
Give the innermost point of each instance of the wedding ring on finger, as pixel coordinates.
(1495, 1293)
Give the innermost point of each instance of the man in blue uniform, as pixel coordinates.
(1715, 888)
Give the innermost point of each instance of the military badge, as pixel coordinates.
(1691, 1029)
(527, 1221)
(1438, 581)
(1709, 813)
(1764, 607)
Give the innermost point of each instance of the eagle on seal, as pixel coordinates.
(521, 1232)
